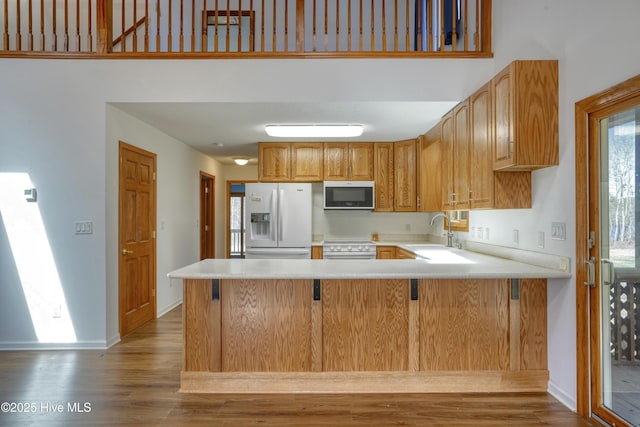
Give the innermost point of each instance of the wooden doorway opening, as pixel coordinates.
(136, 237)
(207, 216)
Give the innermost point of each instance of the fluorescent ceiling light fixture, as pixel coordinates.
(314, 131)
(240, 161)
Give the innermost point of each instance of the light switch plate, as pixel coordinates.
(558, 231)
(84, 227)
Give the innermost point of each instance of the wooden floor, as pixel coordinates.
(136, 383)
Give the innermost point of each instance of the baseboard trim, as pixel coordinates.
(365, 382)
(38, 346)
(170, 307)
(562, 396)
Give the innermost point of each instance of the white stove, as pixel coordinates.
(348, 249)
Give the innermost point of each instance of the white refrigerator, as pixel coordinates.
(278, 220)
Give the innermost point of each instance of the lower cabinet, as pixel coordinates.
(426, 334)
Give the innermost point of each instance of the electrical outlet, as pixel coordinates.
(516, 237)
(57, 312)
(486, 233)
(480, 233)
(541, 239)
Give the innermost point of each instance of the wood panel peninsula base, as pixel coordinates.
(375, 334)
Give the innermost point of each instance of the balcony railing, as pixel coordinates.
(236, 247)
(246, 28)
(624, 316)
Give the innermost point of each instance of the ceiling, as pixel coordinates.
(225, 130)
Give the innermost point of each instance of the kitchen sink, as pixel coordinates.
(439, 254)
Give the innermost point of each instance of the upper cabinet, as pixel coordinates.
(383, 167)
(405, 175)
(481, 154)
(430, 171)
(348, 161)
(525, 115)
(290, 162)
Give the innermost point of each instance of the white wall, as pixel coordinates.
(53, 125)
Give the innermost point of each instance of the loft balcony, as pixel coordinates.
(245, 28)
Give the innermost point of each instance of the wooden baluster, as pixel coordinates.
(430, 25)
(78, 41)
(466, 29)
(18, 28)
(407, 22)
(134, 36)
(30, 26)
(349, 27)
(419, 27)
(146, 25)
(181, 35)
(193, 23)
(384, 28)
(251, 27)
(170, 29)
(66, 25)
(326, 26)
(205, 24)
(157, 25)
(454, 26)
(274, 34)
(395, 27)
(286, 25)
(361, 35)
(228, 28)
(5, 35)
(240, 26)
(442, 34)
(315, 14)
(262, 35)
(337, 25)
(476, 35)
(373, 26)
(300, 26)
(123, 40)
(89, 28)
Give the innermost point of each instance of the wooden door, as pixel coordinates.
(383, 170)
(608, 253)
(137, 249)
(207, 216)
(405, 176)
(481, 156)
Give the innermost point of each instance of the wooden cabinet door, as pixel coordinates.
(265, 325)
(502, 92)
(525, 108)
(404, 254)
(365, 325)
(430, 177)
(307, 162)
(383, 176)
(336, 156)
(481, 158)
(461, 155)
(447, 161)
(405, 176)
(274, 162)
(361, 161)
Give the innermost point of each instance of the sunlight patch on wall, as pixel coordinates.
(34, 261)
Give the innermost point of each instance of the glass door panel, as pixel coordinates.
(619, 276)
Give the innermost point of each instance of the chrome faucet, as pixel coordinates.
(449, 233)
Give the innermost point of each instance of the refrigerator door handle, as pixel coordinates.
(272, 224)
(281, 212)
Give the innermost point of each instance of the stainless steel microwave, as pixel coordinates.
(349, 195)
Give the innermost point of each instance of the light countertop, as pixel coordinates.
(439, 262)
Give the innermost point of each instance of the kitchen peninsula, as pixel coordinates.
(449, 321)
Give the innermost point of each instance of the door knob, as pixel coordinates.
(126, 252)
